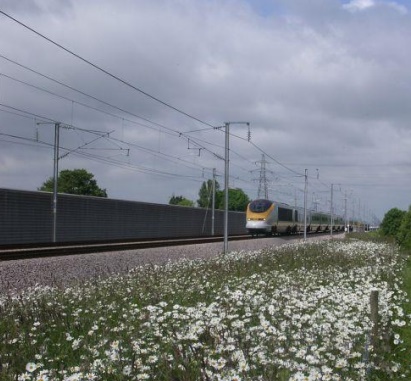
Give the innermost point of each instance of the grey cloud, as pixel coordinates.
(320, 85)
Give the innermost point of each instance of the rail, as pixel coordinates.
(16, 252)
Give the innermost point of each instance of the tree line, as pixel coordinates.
(74, 181)
(397, 225)
(237, 199)
(82, 182)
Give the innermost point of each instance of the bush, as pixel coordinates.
(404, 231)
(391, 223)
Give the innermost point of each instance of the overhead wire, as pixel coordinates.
(121, 80)
(179, 133)
(233, 178)
(98, 158)
(91, 97)
(172, 131)
(78, 128)
(268, 155)
(102, 133)
(141, 91)
(128, 84)
(28, 113)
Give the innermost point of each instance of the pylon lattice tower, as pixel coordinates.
(263, 182)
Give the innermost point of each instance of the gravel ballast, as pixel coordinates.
(17, 275)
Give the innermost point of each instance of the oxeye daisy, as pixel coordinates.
(31, 367)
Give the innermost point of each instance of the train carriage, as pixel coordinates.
(320, 222)
(339, 224)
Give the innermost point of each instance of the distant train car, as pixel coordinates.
(269, 217)
(339, 224)
(319, 222)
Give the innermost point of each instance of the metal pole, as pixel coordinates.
(331, 210)
(213, 205)
(345, 212)
(295, 198)
(305, 205)
(55, 178)
(226, 177)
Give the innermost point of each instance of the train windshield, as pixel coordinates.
(260, 206)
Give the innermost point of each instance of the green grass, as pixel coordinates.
(397, 353)
(402, 352)
(299, 312)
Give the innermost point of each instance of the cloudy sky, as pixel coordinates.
(324, 84)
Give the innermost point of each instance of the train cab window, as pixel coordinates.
(260, 206)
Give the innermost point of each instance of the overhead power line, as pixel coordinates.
(141, 91)
(169, 130)
(27, 114)
(86, 95)
(117, 78)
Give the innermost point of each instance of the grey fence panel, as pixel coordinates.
(26, 217)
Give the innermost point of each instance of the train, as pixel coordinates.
(270, 218)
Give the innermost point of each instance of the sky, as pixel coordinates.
(143, 91)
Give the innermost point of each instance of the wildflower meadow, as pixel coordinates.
(295, 312)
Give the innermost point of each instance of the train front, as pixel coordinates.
(260, 217)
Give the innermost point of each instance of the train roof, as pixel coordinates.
(274, 202)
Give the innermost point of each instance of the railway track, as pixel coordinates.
(16, 252)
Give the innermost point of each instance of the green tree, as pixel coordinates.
(76, 181)
(391, 222)
(404, 231)
(237, 200)
(180, 200)
(205, 194)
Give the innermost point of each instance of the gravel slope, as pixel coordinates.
(63, 271)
